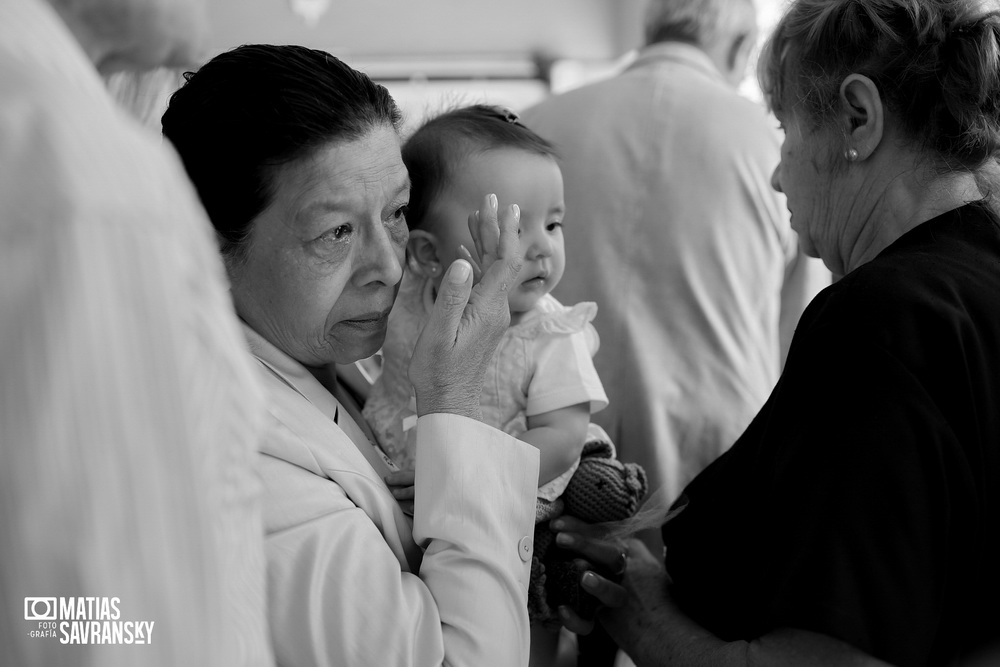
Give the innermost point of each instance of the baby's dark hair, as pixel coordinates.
(440, 145)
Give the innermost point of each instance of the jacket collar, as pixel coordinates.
(357, 469)
(291, 373)
(680, 53)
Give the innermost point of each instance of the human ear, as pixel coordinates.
(738, 56)
(422, 253)
(861, 115)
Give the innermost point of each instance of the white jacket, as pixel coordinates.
(348, 584)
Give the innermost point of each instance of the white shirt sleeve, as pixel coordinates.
(338, 593)
(475, 515)
(564, 374)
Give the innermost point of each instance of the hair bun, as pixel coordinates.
(969, 121)
(936, 64)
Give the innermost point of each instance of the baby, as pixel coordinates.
(541, 386)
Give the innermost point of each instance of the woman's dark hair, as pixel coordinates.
(440, 145)
(250, 110)
(936, 64)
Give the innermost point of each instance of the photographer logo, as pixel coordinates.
(84, 620)
(40, 609)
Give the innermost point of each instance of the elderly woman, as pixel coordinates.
(297, 160)
(857, 519)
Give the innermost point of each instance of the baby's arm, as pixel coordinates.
(559, 437)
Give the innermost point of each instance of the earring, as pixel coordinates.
(434, 269)
(851, 154)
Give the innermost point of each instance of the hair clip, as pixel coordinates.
(507, 114)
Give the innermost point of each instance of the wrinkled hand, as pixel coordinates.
(626, 605)
(645, 622)
(450, 358)
(400, 483)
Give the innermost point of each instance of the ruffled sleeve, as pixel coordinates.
(561, 320)
(563, 345)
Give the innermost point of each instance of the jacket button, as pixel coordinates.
(524, 548)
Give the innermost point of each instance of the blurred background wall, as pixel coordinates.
(433, 54)
(569, 28)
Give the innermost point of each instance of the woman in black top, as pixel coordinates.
(857, 520)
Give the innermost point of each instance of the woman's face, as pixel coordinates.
(804, 174)
(325, 257)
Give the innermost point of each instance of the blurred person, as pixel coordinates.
(129, 410)
(857, 519)
(296, 157)
(144, 93)
(678, 238)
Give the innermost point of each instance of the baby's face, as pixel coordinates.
(533, 182)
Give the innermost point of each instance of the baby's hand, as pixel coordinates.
(401, 485)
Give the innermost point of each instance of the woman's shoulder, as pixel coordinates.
(953, 256)
(937, 281)
(878, 297)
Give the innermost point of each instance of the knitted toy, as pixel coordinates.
(603, 489)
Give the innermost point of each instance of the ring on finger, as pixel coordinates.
(622, 563)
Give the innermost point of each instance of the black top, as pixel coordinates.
(863, 501)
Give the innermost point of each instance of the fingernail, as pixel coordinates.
(557, 524)
(565, 539)
(517, 211)
(477, 216)
(589, 580)
(493, 202)
(460, 271)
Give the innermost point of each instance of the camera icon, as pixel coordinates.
(40, 609)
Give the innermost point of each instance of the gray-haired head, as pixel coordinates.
(724, 29)
(698, 22)
(936, 64)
